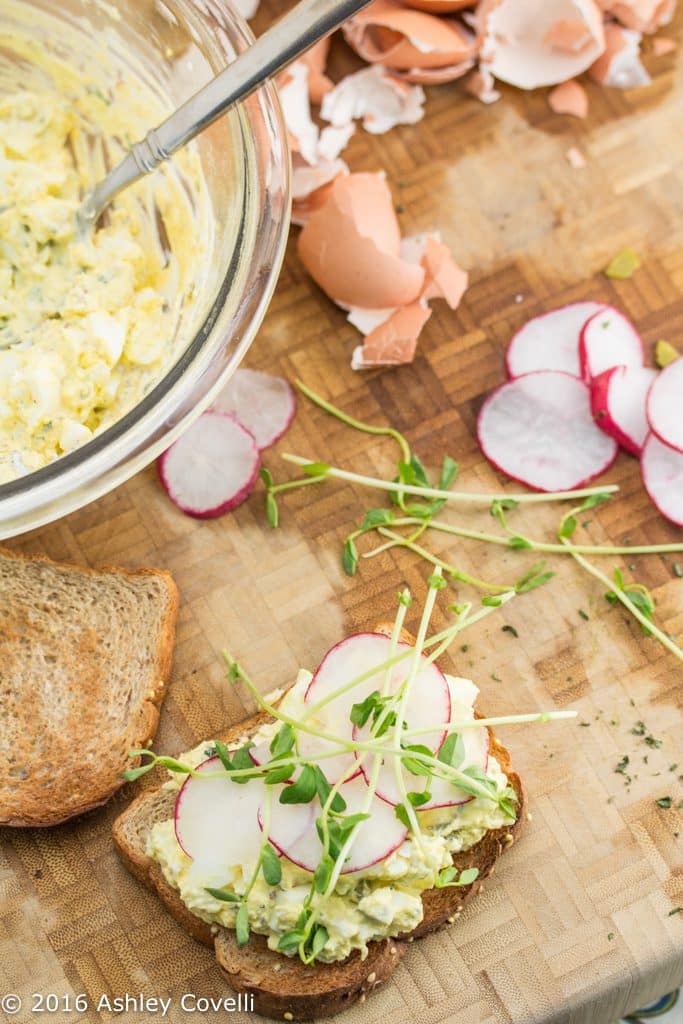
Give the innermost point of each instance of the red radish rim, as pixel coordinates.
(583, 352)
(650, 418)
(344, 871)
(287, 782)
(541, 316)
(517, 479)
(599, 388)
(176, 806)
(231, 503)
(643, 469)
(272, 438)
(339, 643)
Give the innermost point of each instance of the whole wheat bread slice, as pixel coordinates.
(85, 657)
(283, 987)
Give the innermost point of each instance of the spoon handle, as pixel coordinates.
(307, 23)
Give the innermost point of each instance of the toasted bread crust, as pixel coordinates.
(31, 808)
(283, 987)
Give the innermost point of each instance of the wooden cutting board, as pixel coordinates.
(575, 924)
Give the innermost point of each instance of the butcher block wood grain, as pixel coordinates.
(576, 924)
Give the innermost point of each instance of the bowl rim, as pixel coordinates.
(65, 478)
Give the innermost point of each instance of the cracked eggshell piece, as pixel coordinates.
(393, 342)
(439, 6)
(407, 40)
(351, 246)
(482, 85)
(311, 186)
(620, 66)
(315, 60)
(376, 96)
(392, 334)
(663, 45)
(569, 98)
(296, 108)
(444, 279)
(641, 15)
(531, 43)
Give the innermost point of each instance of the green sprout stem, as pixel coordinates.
(621, 596)
(535, 545)
(485, 723)
(365, 428)
(455, 573)
(471, 497)
(292, 484)
(434, 584)
(441, 641)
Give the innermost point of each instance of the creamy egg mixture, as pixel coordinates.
(378, 902)
(87, 325)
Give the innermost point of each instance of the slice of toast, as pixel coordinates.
(281, 986)
(85, 657)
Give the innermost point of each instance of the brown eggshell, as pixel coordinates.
(316, 59)
(350, 246)
(482, 85)
(641, 15)
(619, 66)
(437, 76)
(531, 43)
(663, 45)
(444, 279)
(311, 186)
(440, 6)
(394, 341)
(388, 33)
(569, 98)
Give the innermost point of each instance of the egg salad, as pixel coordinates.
(377, 902)
(87, 325)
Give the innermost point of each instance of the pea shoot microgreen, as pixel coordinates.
(383, 736)
(416, 503)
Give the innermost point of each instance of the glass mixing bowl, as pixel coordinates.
(178, 44)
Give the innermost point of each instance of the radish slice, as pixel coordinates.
(294, 835)
(665, 405)
(618, 398)
(662, 469)
(212, 468)
(550, 341)
(608, 339)
(263, 404)
(206, 813)
(538, 429)
(428, 704)
(443, 792)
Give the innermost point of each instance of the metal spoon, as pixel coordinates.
(287, 39)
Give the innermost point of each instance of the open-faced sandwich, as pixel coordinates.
(354, 813)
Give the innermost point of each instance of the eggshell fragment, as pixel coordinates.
(410, 41)
(444, 279)
(663, 45)
(530, 43)
(379, 98)
(351, 246)
(439, 6)
(393, 342)
(303, 132)
(481, 85)
(315, 60)
(619, 66)
(569, 98)
(641, 15)
(392, 334)
(311, 186)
